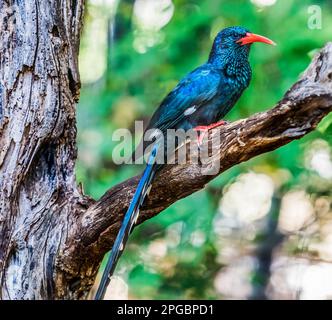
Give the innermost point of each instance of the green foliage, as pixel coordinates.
(132, 84)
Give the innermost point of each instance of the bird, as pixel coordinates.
(198, 102)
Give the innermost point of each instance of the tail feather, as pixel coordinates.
(129, 220)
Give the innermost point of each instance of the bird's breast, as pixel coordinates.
(211, 112)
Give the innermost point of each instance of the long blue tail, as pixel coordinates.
(128, 222)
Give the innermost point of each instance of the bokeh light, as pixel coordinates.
(260, 230)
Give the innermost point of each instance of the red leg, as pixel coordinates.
(204, 129)
(210, 126)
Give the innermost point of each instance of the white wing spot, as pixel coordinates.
(189, 111)
(205, 72)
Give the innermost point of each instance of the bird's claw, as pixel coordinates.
(204, 129)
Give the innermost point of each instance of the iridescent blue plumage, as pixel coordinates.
(201, 98)
(212, 89)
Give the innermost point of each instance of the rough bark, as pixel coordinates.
(39, 88)
(52, 237)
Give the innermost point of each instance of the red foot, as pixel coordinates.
(204, 129)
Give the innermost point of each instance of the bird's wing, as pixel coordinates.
(195, 90)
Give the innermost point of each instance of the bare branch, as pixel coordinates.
(298, 113)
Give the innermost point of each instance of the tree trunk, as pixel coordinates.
(52, 237)
(39, 89)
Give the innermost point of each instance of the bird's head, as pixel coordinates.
(235, 42)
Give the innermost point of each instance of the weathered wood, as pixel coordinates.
(52, 237)
(39, 88)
